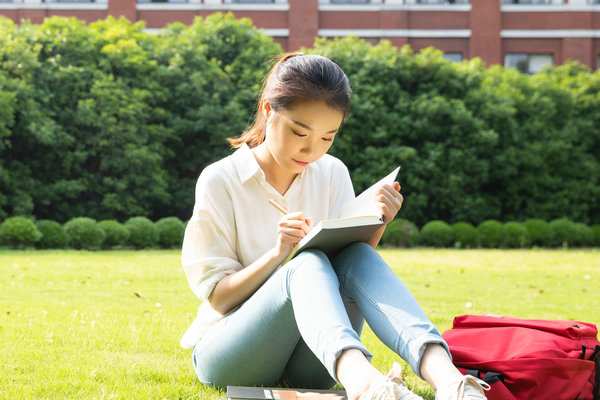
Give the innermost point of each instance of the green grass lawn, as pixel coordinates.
(106, 325)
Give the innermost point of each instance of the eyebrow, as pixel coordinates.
(309, 128)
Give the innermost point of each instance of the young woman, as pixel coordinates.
(299, 324)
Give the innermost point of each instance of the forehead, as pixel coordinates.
(314, 112)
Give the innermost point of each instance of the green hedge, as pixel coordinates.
(465, 235)
(19, 231)
(128, 119)
(141, 232)
(437, 234)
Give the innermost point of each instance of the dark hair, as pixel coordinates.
(298, 76)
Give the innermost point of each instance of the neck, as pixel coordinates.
(276, 176)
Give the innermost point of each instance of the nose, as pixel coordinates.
(308, 147)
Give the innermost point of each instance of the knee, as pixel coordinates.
(359, 262)
(311, 263)
(355, 255)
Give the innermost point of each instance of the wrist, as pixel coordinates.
(277, 255)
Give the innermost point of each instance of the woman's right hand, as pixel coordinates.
(291, 229)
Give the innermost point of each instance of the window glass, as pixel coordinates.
(518, 61)
(350, 1)
(253, 1)
(539, 61)
(443, 1)
(456, 57)
(526, 1)
(162, 1)
(528, 63)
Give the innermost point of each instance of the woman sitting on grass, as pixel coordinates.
(299, 324)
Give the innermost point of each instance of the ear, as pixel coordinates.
(266, 107)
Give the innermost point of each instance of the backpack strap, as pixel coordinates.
(488, 377)
(596, 358)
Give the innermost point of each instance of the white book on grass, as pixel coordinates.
(359, 220)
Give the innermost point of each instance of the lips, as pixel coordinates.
(301, 163)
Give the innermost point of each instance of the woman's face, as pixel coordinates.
(302, 134)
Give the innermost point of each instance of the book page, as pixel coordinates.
(364, 204)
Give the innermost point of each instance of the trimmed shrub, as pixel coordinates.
(53, 235)
(19, 231)
(539, 231)
(170, 232)
(492, 234)
(116, 233)
(400, 233)
(465, 235)
(584, 235)
(596, 230)
(563, 232)
(142, 232)
(437, 233)
(84, 233)
(517, 235)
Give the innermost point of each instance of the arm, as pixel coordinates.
(235, 288)
(389, 201)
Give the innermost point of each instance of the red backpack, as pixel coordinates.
(525, 359)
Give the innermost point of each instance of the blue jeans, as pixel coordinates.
(294, 328)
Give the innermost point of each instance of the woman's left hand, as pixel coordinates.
(389, 201)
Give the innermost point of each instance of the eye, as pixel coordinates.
(328, 139)
(297, 134)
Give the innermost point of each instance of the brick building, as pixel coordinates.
(527, 34)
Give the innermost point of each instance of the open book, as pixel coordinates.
(359, 220)
(268, 393)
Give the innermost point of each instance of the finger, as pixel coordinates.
(294, 215)
(292, 233)
(393, 194)
(296, 224)
(289, 238)
(391, 202)
(392, 190)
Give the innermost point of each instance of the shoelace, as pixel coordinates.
(390, 387)
(401, 391)
(473, 388)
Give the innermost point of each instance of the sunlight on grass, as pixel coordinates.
(106, 325)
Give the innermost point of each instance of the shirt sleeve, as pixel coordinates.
(208, 252)
(342, 190)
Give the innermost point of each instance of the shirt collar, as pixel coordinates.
(245, 163)
(247, 166)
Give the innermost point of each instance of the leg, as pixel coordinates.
(388, 306)
(305, 370)
(253, 345)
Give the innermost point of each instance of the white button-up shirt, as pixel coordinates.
(233, 223)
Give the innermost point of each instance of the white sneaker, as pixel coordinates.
(467, 388)
(390, 387)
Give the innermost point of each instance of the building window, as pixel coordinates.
(350, 1)
(443, 1)
(253, 1)
(456, 57)
(162, 1)
(528, 63)
(526, 1)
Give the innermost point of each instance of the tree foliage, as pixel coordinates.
(107, 121)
